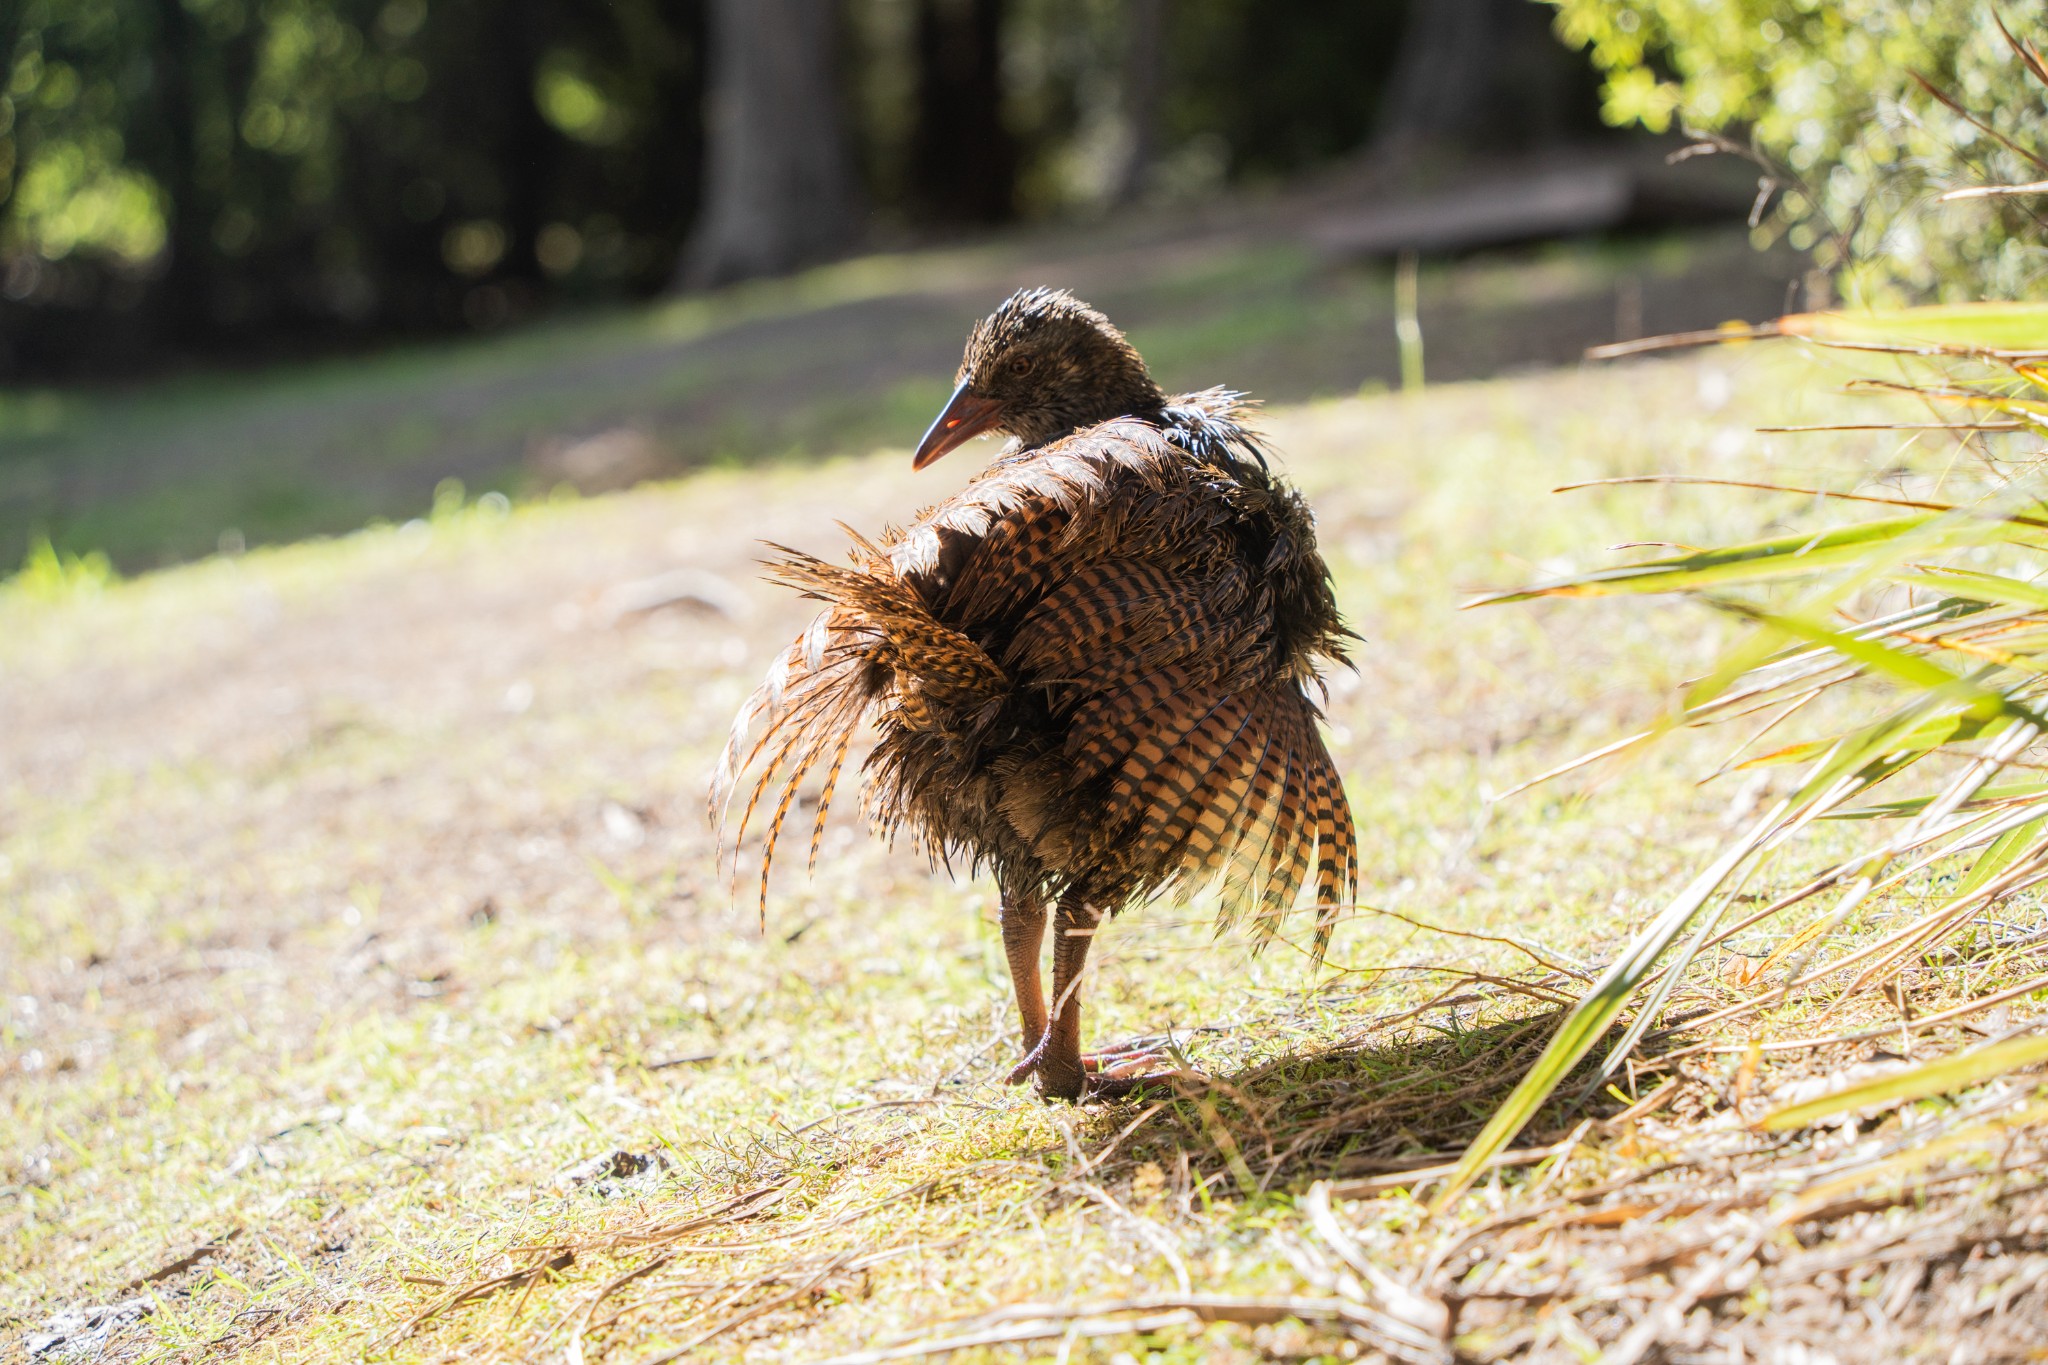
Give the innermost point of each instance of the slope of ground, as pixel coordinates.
(372, 989)
(829, 363)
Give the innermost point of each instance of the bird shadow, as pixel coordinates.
(1357, 1108)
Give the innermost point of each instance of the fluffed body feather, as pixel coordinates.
(1090, 671)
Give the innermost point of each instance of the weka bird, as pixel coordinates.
(1088, 670)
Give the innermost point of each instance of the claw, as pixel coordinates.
(1022, 1071)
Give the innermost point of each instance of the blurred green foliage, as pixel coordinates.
(63, 150)
(1826, 90)
(212, 170)
(192, 178)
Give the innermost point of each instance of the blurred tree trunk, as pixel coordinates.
(963, 163)
(184, 296)
(1483, 75)
(1144, 82)
(782, 186)
(675, 185)
(199, 82)
(527, 144)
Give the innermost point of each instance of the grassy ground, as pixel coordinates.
(372, 990)
(830, 363)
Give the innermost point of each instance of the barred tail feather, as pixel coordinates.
(1336, 852)
(1170, 831)
(1150, 762)
(825, 795)
(875, 635)
(795, 728)
(1286, 860)
(1255, 812)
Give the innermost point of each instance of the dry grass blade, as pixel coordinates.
(1594, 1015)
(1995, 191)
(1955, 106)
(1070, 1328)
(1424, 1175)
(573, 1352)
(831, 1267)
(1893, 426)
(1766, 487)
(1678, 341)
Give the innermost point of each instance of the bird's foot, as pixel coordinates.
(1110, 1074)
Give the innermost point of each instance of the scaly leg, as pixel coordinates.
(1064, 1072)
(1060, 1071)
(1023, 917)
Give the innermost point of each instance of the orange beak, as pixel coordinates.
(966, 417)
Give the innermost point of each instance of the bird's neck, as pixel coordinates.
(1143, 401)
(1139, 398)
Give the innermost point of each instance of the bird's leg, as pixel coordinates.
(1023, 932)
(1060, 1072)
(1055, 1055)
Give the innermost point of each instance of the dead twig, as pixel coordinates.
(1146, 1313)
(522, 1278)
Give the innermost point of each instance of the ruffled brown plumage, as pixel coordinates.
(1088, 671)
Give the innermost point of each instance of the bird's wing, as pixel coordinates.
(1099, 578)
(876, 640)
(1111, 583)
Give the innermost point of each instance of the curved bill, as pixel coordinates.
(966, 417)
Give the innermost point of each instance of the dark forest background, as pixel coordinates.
(208, 180)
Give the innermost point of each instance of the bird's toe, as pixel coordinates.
(1029, 1064)
(1115, 1065)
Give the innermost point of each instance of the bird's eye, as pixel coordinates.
(1020, 365)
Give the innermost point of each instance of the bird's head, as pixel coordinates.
(1042, 365)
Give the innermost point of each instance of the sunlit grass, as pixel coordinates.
(355, 890)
